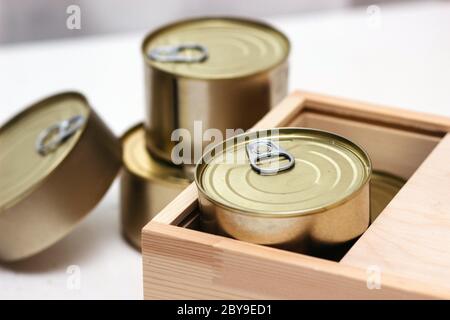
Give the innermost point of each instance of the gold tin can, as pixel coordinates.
(147, 185)
(383, 188)
(211, 70)
(300, 189)
(58, 159)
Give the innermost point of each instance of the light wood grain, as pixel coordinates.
(187, 264)
(411, 237)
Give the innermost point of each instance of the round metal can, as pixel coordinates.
(58, 159)
(383, 188)
(203, 73)
(296, 188)
(147, 185)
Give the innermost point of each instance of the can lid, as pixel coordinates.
(57, 161)
(138, 160)
(36, 141)
(216, 48)
(310, 171)
(383, 188)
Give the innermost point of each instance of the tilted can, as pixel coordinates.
(301, 189)
(147, 185)
(206, 73)
(57, 160)
(383, 188)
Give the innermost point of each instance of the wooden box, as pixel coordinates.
(404, 254)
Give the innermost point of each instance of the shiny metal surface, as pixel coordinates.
(42, 197)
(246, 69)
(322, 201)
(52, 137)
(177, 53)
(236, 47)
(263, 149)
(147, 185)
(383, 188)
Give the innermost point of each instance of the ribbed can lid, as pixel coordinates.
(23, 167)
(216, 48)
(319, 170)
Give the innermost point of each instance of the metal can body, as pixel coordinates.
(146, 185)
(383, 188)
(53, 191)
(323, 202)
(308, 234)
(217, 90)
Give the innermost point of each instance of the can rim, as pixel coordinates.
(286, 214)
(153, 177)
(29, 109)
(149, 36)
(387, 175)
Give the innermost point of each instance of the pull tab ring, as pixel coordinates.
(174, 53)
(266, 149)
(52, 137)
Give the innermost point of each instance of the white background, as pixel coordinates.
(399, 57)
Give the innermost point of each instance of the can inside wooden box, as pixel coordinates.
(406, 243)
(395, 148)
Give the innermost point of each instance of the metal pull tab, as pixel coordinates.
(266, 149)
(52, 137)
(175, 53)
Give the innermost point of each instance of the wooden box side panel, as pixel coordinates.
(186, 264)
(411, 237)
(376, 113)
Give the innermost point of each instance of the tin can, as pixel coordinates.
(204, 73)
(383, 188)
(58, 159)
(300, 189)
(147, 185)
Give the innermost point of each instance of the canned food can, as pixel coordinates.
(383, 188)
(58, 159)
(147, 185)
(300, 189)
(204, 73)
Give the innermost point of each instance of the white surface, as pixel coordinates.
(400, 59)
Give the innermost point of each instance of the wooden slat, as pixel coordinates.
(374, 112)
(183, 263)
(411, 237)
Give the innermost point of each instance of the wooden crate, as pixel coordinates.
(404, 254)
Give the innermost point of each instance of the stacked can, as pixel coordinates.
(200, 74)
